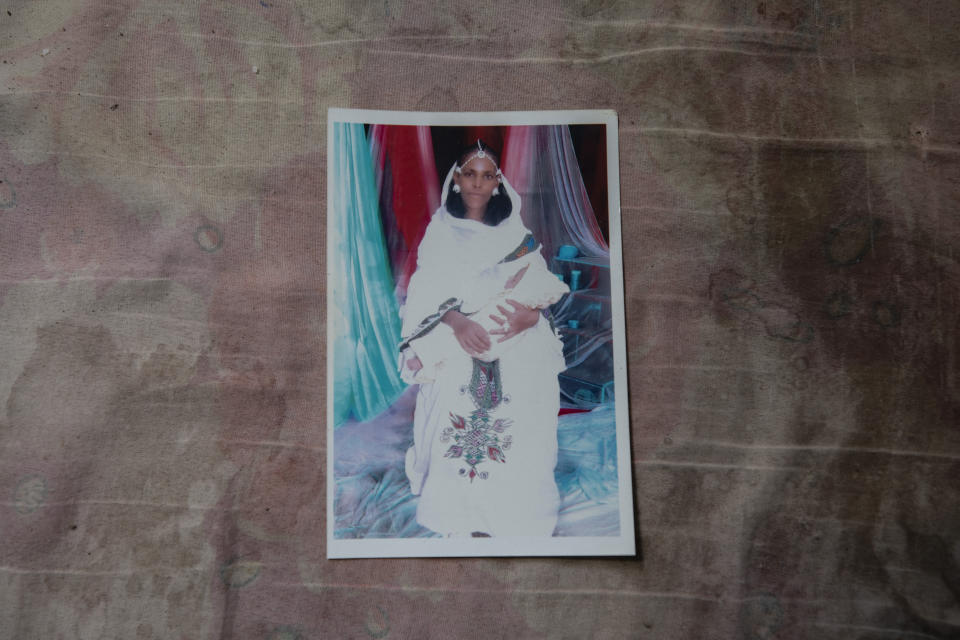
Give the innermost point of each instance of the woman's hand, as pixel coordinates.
(517, 321)
(414, 364)
(471, 336)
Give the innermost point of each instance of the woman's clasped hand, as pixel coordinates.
(475, 340)
(514, 322)
(471, 336)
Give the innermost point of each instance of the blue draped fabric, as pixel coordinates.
(366, 323)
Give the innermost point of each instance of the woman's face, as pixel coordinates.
(477, 180)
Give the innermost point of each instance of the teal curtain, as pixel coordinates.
(365, 320)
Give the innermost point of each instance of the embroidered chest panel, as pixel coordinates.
(479, 437)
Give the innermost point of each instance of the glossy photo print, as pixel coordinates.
(477, 393)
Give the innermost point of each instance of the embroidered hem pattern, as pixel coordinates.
(480, 436)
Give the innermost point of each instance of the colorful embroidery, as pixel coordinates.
(479, 437)
(486, 386)
(427, 324)
(527, 245)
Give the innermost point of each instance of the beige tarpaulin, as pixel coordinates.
(790, 177)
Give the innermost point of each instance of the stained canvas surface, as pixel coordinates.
(789, 185)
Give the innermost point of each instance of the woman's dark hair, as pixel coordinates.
(498, 208)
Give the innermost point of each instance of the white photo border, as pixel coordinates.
(623, 544)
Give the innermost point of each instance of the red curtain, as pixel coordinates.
(410, 192)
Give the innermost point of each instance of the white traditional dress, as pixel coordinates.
(485, 429)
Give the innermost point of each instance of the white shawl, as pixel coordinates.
(456, 261)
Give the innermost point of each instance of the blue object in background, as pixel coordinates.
(366, 324)
(567, 251)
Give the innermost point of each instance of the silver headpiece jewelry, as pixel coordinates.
(479, 153)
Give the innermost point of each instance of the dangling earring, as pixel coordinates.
(456, 188)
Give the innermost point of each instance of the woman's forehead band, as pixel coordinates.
(479, 153)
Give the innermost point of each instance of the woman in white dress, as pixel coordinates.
(486, 360)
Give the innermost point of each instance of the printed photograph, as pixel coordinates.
(477, 398)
